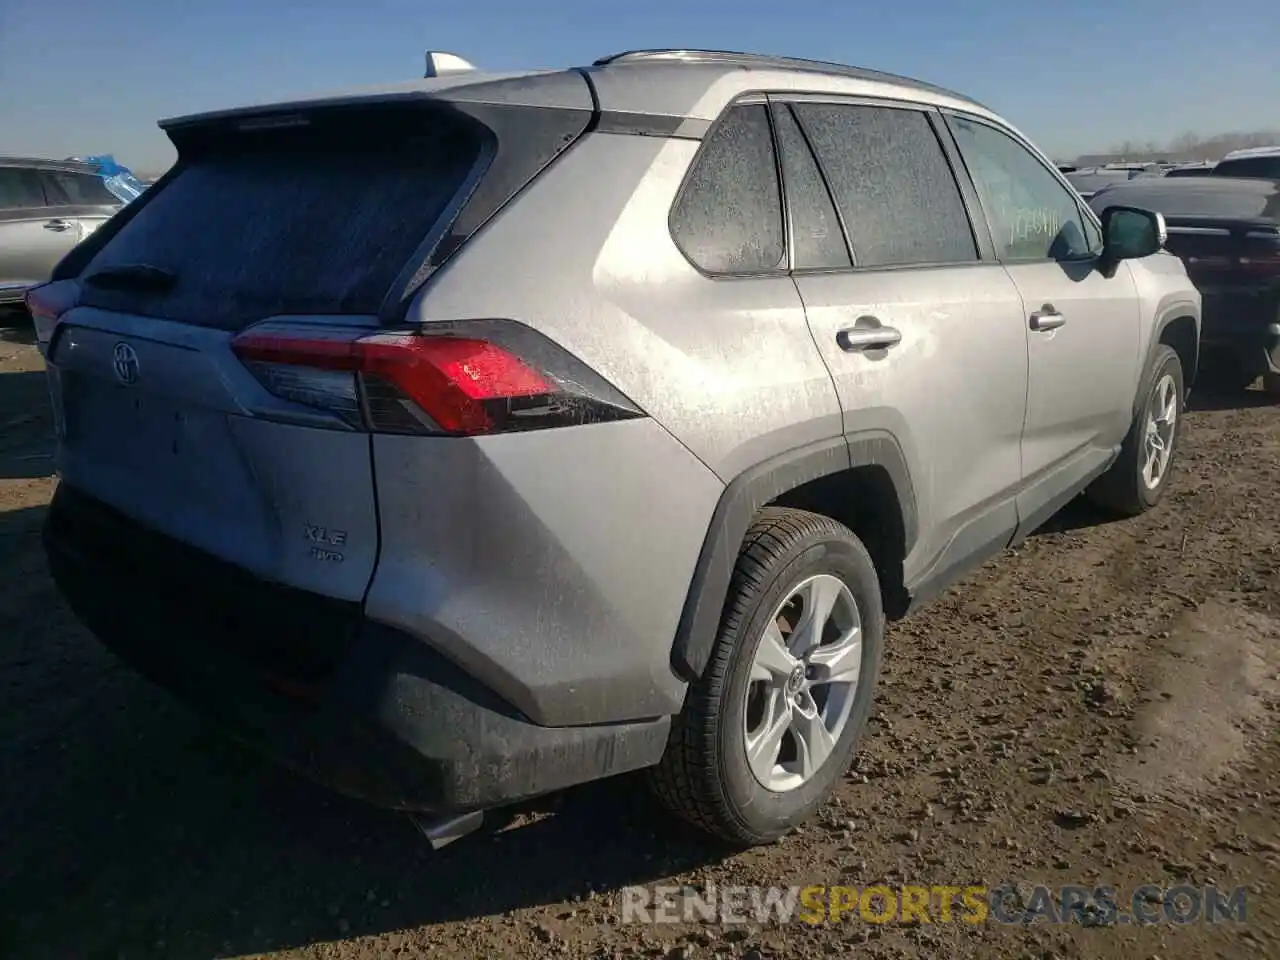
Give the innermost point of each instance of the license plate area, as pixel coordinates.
(151, 437)
(117, 422)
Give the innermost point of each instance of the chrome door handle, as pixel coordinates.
(858, 338)
(1047, 318)
(58, 225)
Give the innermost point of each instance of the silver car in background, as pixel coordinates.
(46, 208)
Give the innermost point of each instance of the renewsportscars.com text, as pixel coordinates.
(935, 903)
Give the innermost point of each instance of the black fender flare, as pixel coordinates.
(737, 508)
(1168, 315)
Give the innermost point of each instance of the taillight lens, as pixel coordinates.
(462, 379)
(47, 303)
(1261, 257)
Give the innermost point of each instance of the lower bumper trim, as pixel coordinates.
(394, 723)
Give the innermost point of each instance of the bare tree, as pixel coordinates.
(1194, 146)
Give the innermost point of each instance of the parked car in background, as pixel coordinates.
(1227, 232)
(46, 208)
(1191, 170)
(1250, 162)
(780, 348)
(1090, 180)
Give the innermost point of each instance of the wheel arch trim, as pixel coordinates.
(1169, 313)
(743, 498)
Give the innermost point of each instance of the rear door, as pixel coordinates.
(32, 237)
(896, 258)
(81, 197)
(305, 229)
(1084, 322)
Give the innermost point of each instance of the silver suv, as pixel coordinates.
(465, 439)
(46, 208)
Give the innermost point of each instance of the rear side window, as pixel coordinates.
(1265, 167)
(892, 182)
(816, 237)
(76, 189)
(19, 188)
(728, 219)
(317, 219)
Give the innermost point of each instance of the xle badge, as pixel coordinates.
(323, 540)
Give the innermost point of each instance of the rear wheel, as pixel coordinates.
(775, 720)
(1137, 480)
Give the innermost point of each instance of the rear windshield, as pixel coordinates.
(1249, 167)
(317, 219)
(1196, 197)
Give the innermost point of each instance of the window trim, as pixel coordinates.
(984, 254)
(1083, 209)
(968, 190)
(783, 269)
(792, 269)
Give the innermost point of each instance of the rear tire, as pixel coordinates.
(1127, 488)
(792, 562)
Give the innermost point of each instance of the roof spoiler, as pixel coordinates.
(440, 63)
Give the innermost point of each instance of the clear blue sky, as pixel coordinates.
(93, 77)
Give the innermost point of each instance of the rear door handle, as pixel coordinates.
(1047, 318)
(58, 225)
(858, 338)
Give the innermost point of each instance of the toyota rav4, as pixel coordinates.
(465, 439)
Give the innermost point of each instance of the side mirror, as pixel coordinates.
(1130, 233)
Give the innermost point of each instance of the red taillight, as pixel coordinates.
(451, 379)
(424, 383)
(47, 303)
(1262, 265)
(1259, 257)
(40, 308)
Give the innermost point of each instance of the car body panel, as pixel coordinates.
(1103, 335)
(31, 244)
(629, 286)
(963, 338)
(549, 565)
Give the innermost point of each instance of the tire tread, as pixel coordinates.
(1117, 490)
(686, 781)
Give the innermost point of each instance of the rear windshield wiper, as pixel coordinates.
(132, 276)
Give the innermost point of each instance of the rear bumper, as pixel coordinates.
(358, 706)
(1244, 322)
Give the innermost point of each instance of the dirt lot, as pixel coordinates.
(1099, 707)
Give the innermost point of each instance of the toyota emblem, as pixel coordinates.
(124, 360)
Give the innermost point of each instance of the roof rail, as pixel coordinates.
(737, 58)
(71, 163)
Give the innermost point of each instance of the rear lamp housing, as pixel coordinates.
(467, 378)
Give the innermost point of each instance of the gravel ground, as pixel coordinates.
(1098, 707)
